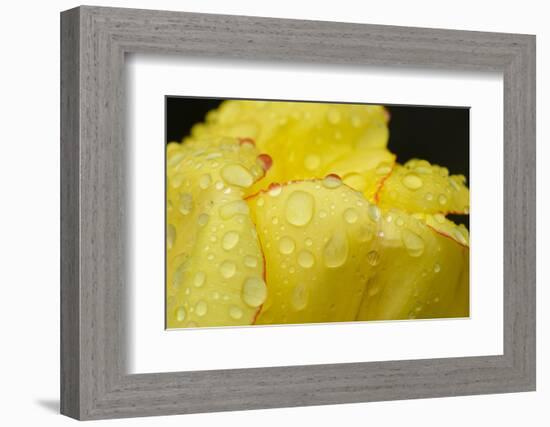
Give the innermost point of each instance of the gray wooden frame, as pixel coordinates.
(94, 382)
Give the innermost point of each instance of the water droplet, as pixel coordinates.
(333, 116)
(219, 185)
(275, 190)
(332, 181)
(186, 203)
(336, 250)
(180, 314)
(413, 243)
(312, 162)
(260, 202)
(429, 197)
(201, 308)
(373, 258)
(200, 278)
(412, 181)
(235, 312)
(228, 269)
(322, 213)
(233, 208)
(383, 169)
(351, 216)
(373, 290)
(203, 219)
(250, 261)
(254, 291)
(309, 242)
(205, 181)
(442, 199)
(299, 208)
(170, 235)
(306, 259)
(286, 245)
(437, 268)
(230, 240)
(216, 295)
(235, 174)
(374, 212)
(299, 296)
(275, 220)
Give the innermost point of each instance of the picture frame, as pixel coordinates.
(94, 381)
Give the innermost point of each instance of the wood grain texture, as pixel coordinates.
(94, 381)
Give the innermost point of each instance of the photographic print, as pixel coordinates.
(286, 212)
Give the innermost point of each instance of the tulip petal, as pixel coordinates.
(418, 186)
(315, 238)
(304, 139)
(422, 273)
(214, 262)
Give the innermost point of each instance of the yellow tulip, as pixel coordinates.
(283, 212)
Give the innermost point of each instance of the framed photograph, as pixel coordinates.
(262, 213)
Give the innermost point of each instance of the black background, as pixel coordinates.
(440, 135)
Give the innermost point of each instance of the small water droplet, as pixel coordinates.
(306, 259)
(374, 212)
(260, 202)
(437, 268)
(254, 291)
(203, 219)
(228, 269)
(383, 169)
(309, 242)
(429, 197)
(351, 216)
(200, 278)
(250, 261)
(442, 199)
(201, 308)
(312, 162)
(373, 258)
(413, 243)
(332, 181)
(170, 235)
(235, 174)
(299, 208)
(322, 213)
(275, 220)
(235, 312)
(230, 240)
(180, 314)
(412, 181)
(299, 296)
(233, 208)
(275, 190)
(216, 295)
(186, 203)
(286, 245)
(439, 218)
(336, 250)
(218, 185)
(205, 181)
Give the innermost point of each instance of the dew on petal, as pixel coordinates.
(332, 181)
(254, 292)
(199, 279)
(186, 203)
(230, 240)
(203, 219)
(180, 314)
(351, 216)
(286, 245)
(235, 312)
(205, 181)
(250, 261)
(201, 308)
(306, 259)
(228, 269)
(235, 174)
(299, 208)
(412, 181)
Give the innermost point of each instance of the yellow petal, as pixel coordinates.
(315, 236)
(303, 139)
(215, 273)
(422, 272)
(418, 186)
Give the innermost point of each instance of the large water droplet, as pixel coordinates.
(374, 212)
(299, 208)
(205, 181)
(180, 314)
(306, 259)
(235, 312)
(286, 245)
(170, 235)
(413, 243)
(228, 269)
(336, 250)
(254, 291)
(299, 296)
(412, 181)
(199, 279)
(233, 208)
(186, 203)
(373, 258)
(235, 174)
(230, 240)
(201, 308)
(351, 216)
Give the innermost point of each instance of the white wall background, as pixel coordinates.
(29, 213)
